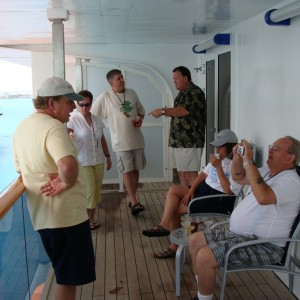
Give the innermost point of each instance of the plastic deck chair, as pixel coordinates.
(232, 200)
(220, 205)
(288, 261)
(214, 201)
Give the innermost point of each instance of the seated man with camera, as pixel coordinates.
(267, 211)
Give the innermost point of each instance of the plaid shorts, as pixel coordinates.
(220, 240)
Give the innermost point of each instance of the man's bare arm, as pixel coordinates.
(68, 170)
(65, 179)
(178, 111)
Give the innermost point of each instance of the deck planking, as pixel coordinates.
(127, 270)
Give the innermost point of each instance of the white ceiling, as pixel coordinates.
(25, 22)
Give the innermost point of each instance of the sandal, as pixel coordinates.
(94, 225)
(169, 253)
(137, 208)
(156, 231)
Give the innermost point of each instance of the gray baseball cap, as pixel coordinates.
(55, 86)
(224, 136)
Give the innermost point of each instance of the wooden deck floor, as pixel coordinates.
(126, 268)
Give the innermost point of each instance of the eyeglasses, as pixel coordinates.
(276, 148)
(84, 104)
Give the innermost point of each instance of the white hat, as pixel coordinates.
(224, 136)
(55, 86)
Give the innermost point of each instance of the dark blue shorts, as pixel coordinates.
(216, 204)
(71, 252)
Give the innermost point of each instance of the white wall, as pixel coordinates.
(265, 81)
(162, 58)
(265, 84)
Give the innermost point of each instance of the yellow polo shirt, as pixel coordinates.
(38, 143)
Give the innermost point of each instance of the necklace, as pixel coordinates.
(126, 107)
(95, 139)
(268, 174)
(122, 103)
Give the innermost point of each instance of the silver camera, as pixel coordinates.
(240, 150)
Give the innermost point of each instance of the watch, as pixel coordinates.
(248, 162)
(163, 111)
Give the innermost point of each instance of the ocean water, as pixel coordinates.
(13, 111)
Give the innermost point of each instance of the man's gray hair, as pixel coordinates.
(294, 148)
(112, 73)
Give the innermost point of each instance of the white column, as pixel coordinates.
(58, 44)
(78, 75)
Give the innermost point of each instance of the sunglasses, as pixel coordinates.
(84, 104)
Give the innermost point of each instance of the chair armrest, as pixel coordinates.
(255, 242)
(218, 224)
(210, 196)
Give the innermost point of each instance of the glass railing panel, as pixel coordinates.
(24, 265)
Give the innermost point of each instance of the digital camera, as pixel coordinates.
(240, 150)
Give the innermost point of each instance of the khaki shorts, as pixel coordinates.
(131, 160)
(188, 159)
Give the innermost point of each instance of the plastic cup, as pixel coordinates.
(188, 229)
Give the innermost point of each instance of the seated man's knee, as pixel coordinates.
(205, 257)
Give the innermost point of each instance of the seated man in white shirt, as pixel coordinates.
(267, 211)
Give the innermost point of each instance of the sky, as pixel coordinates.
(15, 78)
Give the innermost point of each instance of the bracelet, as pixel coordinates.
(108, 155)
(248, 162)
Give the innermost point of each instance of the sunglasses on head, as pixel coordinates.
(84, 104)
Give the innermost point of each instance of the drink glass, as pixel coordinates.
(195, 222)
(186, 224)
(136, 122)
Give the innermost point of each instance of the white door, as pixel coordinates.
(153, 92)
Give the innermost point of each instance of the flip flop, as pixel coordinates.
(169, 253)
(156, 231)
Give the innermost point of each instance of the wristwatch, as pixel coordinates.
(163, 111)
(248, 162)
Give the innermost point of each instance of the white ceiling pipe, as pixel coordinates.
(285, 12)
(204, 46)
(217, 40)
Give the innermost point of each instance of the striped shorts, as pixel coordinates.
(220, 240)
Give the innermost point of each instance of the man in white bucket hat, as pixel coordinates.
(47, 159)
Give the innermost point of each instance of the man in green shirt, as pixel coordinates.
(187, 128)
